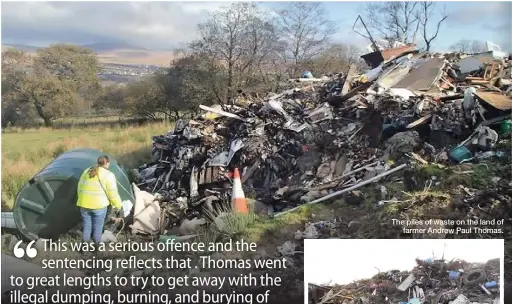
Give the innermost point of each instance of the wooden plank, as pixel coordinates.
(201, 177)
(419, 121)
(479, 81)
(497, 100)
(407, 282)
(209, 173)
(216, 174)
(346, 86)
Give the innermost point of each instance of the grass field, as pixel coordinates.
(82, 122)
(25, 152)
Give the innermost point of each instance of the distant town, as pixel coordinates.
(122, 73)
(126, 69)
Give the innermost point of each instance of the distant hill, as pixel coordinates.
(96, 47)
(25, 48)
(120, 53)
(109, 46)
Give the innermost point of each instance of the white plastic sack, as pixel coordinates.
(148, 220)
(127, 208)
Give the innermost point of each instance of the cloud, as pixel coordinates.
(167, 25)
(476, 12)
(503, 28)
(159, 25)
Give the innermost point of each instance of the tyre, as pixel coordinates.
(475, 277)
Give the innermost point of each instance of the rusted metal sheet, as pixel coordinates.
(374, 59)
(499, 101)
(388, 54)
(423, 77)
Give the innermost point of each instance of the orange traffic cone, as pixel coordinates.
(238, 198)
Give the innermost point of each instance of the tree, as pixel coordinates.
(193, 80)
(469, 46)
(52, 98)
(424, 16)
(146, 98)
(336, 58)
(401, 21)
(51, 82)
(239, 37)
(14, 70)
(394, 21)
(14, 65)
(113, 97)
(306, 30)
(273, 70)
(477, 47)
(77, 65)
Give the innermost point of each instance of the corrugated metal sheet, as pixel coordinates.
(388, 54)
(422, 78)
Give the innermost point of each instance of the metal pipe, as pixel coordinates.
(366, 182)
(374, 44)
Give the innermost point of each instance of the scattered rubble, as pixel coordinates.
(329, 136)
(431, 281)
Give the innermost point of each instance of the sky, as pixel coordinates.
(335, 261)
(168, 25)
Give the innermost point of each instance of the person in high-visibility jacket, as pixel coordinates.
(97, 189)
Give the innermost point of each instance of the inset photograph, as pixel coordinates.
(403, 271)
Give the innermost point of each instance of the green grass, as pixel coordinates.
(419, 204)
(478, 175)
(25, 152)
(255, 228)
(90, 119)
(262, 226)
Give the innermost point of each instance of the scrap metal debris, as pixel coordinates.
(431, 281)
(328, 137)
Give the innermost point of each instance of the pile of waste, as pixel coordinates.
(331, 135)
(431, 281)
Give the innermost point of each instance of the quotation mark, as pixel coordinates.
(20, 252)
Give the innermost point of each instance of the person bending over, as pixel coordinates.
(97, 189)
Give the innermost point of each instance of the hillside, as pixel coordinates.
(130, 56)
(117, 53)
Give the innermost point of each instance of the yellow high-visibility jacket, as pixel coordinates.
(99, 191)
